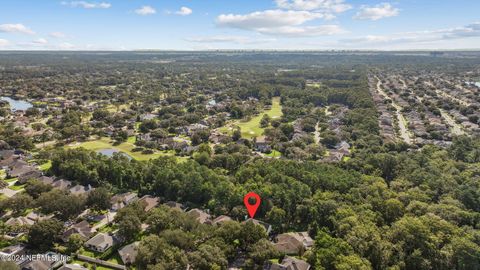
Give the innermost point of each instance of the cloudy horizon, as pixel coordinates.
(249, 25)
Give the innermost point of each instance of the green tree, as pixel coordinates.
(43, 234)
(75, 242)
(34, 188)
(99, 199)
(19, 202)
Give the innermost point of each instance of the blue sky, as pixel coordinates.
(239, 24)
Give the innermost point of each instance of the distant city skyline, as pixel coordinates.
(240, 25)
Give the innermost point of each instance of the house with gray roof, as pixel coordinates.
(100, 242)
(128, 253)
(289, 263)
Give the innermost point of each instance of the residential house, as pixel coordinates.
(100, 242)
(150, 202)
(80, 190)
(46, 180)
(82, 228)
(191, 129)
(293, 242)
(72, 267)
(6, 154)
(121, 200)
(12, 251)
(7, 161)
(16, 170)
(221, 219)
(19, 221)
(200, 215)
(262, 145)
(37, 265)
(62, 184)
(176, 205)
(147, 116)
(31, 174)
(128, 253)
(37, 216)
(289, 263)
(334, 156)
(42, 263)
(266, 226)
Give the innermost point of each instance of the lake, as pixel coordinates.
(17, 105)
(109, 152)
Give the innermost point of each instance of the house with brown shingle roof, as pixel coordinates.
(121, 200)
(80, 190)
(128, 253)
(82, 228)
(62, 184)
(200, 215)
(150, 202)
(19, 221)
(221, 219)
(290, 263)
(293, 242)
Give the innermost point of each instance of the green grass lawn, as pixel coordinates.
(126, 147)
(115, 258)
(274, 153)
(117, 108)
(252, 127)
(3, 174)
(46, 166)
(91, 266)
(11, 180)
(89, 253)
(16, 187)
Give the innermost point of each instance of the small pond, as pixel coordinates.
(16, 105)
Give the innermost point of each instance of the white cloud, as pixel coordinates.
(293, 31)
(57, 35)
(335, 6)
(145, 10)
(383, 10)
(267, 19)
(229, 39)
(4, 42)
(428, 36)
(88, 5)
(184, 11)
(279, 22)
(15, 28)
(66, 46)
(40, 41)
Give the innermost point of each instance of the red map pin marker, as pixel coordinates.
(251, 208)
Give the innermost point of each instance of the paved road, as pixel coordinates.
(402, 122)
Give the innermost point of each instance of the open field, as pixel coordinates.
(126, 147)
(251, 128)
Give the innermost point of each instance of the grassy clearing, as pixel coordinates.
(91, 266)
(314, 85)
(46, 166)
(11, 180)
(16, 187)
(252, 127)
(117, 108)
(125, 147)
(274, 154)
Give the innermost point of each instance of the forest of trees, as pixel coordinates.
(388, 210)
